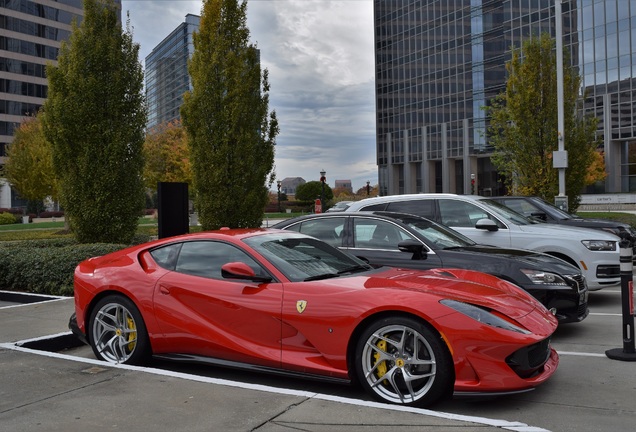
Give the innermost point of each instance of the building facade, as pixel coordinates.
(343, 184)
(31, 33)
(167, 77)
(438, 62)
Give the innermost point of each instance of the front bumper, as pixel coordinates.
(72, 325)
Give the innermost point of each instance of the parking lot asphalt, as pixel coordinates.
(48, 383)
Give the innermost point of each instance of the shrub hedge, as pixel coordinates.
(7, 218)
(47, 266)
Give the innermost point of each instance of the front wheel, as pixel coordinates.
(117, 331)
(400, 360)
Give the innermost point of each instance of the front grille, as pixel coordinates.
(608, 271)
(577, 282)
(529, 360)
(582, 309)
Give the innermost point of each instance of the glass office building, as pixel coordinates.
(31, 33)
(438, 62)
(167, 77)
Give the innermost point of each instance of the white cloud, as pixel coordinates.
(319, 54)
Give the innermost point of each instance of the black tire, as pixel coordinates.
(117, 332)
(390, 370)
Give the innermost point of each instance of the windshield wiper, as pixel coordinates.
(355, 268)
(321, 276)
(352, 269)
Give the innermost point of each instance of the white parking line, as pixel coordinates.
(580, 354)
(503, 424)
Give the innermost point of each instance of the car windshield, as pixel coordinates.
(507, 213)
(435, 234)
(303, 258)
(557, 213)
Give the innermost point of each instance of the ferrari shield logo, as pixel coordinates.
(301, 305)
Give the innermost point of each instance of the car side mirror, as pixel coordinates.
(486, 224)
(414, 247)
(540, 215)
(240, 270)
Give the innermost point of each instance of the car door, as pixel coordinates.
(197, 308)
(463, 216)
(376, 242)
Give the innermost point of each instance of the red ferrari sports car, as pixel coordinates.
(280, 301)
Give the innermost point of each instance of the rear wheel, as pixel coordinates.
(117, 331)
(400, 360)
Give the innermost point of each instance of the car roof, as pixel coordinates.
(408, 197)
(377, 214)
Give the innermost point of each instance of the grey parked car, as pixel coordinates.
(532, 206)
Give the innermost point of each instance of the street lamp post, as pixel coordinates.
(279, 183)
(323, 179)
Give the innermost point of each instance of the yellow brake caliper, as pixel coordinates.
(132, 336)
(381, 368)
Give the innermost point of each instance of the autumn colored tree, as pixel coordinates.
(596, 170)
(370, 191)
(94, 119)
(29, 167)
(231, 134)
(523, 125)
(166, 157)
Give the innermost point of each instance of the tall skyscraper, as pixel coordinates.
(167, 77)
(31, 33)
(438, 62)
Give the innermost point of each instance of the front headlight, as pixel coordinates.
(543, 278)
(600, 245)
(482, 315)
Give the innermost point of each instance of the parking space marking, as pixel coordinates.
(502, 424)
(605, 314)
(581, 354)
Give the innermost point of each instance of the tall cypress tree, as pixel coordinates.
(95, 116)
(523, 125)
(231, 134)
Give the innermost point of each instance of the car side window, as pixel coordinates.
(455, 213)
(329, 230)
(166, 256)
(377, 234)
(205, 259)
(419, 207)
(520, 206)
(374, 207)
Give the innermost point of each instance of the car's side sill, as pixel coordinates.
(191, 358)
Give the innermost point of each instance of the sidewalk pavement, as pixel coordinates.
(52, 391)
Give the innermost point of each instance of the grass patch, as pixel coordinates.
(627, 218)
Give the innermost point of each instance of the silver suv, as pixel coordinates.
(485, 221)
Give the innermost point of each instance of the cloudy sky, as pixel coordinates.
(319, 54)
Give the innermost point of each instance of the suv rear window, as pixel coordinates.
(420, 207)
(374, 207)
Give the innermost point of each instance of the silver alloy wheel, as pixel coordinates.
(114, 333)
(399, 364)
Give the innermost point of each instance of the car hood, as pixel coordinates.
(456, 284)
(577, 233)
(491, 254)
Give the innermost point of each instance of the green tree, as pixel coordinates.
(310, 191)
(94, 118)
(231, 134)
(524, 126)
(29, 167)
(166, 155)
